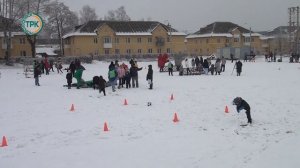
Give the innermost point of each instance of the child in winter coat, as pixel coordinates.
(149, 77)
(242, 105)
(102, 85)
(127, 79)
(69, 77)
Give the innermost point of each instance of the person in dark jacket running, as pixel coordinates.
(69, 77)
(102, 85)
(241, 104)
(150, 76)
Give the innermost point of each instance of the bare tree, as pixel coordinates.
(87, 14)
(118, 14)
(60, 18)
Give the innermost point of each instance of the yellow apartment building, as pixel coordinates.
(123, 38)
(20, 47)
(218, 35)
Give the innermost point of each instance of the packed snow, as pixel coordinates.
(41, 131)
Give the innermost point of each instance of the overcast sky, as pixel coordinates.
(190, 15)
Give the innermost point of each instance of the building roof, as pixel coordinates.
(281, 30)
(221, 29)
(122, 28)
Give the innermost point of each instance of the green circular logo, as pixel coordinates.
(32, 24)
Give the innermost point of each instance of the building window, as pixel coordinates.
(106, 51)
(139, 51)
(22, 40)
(107, 40)
(149, 40)
(95, 40)
(150, 50)
(128, 40)
(207, 40)
(168, 50)
(168, 39)
(23, 53)
(128, 51)
(207, 50)
(227, 40)
(117, 41)
(236, 40)
(219, 40)
(196, 41)
(117, 51)
(159, 50)
(139, 40)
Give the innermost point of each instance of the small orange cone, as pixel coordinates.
(226, 110)
(4, 142)
(172, 97)
(175, 118)
(125, 102)
(72, 108)
(105, 127)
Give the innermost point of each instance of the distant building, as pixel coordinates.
(218, 35)
(277, 40)
(19, 44)
(123, 38)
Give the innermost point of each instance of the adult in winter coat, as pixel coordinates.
(187, 65)
(69, 77)
(78, 75)
(238, 65)
(134, 75)
(197, 62)
(205, 66)
(47, 65)
(36, 73)
(170, 68)
(218, 66)
(102, 85)
(223, 62)
(113, 77)
(241, 104)
(149, 77)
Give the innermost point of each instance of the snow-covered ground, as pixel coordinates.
(42, 132)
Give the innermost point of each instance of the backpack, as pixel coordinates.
(112, 74)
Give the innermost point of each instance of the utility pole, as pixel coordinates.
(294, 29)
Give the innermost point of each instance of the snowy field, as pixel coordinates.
(42, 132)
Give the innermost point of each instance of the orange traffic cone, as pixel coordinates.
(125, 102)
(105, 127)
(4, 142)
(226, 110)
(172, 97)
(72, 108)
(175, 118)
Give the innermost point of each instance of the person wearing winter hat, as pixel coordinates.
(241, 104)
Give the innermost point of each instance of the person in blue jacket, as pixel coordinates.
(241, 104)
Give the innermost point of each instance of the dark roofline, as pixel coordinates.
(122, 26)
(221, 27)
